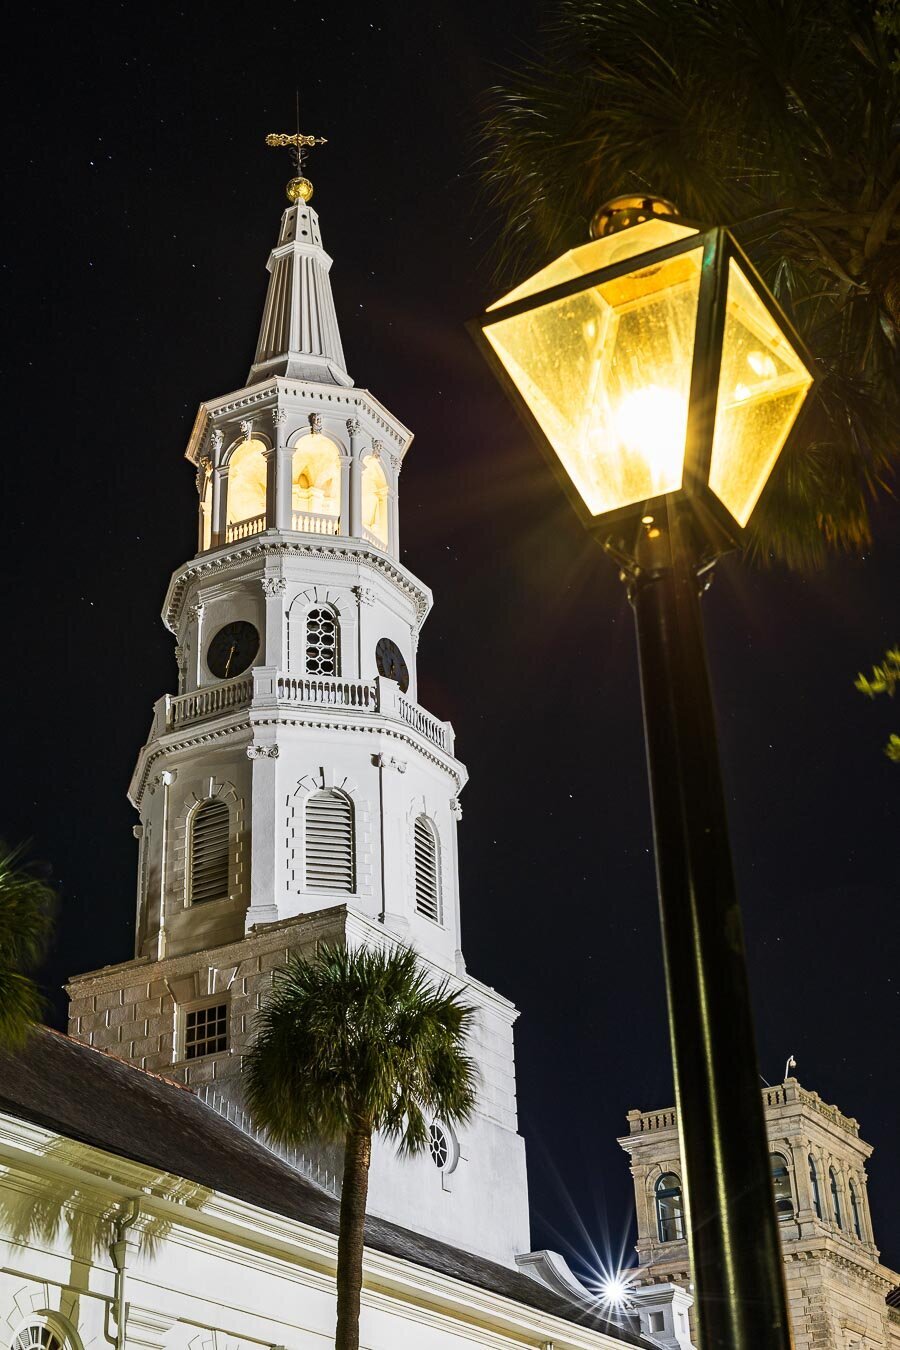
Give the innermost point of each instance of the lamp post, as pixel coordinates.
(661, 379)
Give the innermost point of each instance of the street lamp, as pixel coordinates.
(662, 381)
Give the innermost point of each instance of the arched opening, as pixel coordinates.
(814, 1187)
(855, 1212)
(427, 870)
(835, 1198)
(781, 1184)
(246, 491)
(374, 502)
(330, 862)
(316, 486)
(669, 1208)
(208, 851)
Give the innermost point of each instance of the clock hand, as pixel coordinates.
(230, 655)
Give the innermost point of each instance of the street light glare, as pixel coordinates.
(614, 1290)
(650, 423)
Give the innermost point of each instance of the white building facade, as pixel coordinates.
(293, 790)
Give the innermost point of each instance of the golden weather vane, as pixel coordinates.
(299, 189)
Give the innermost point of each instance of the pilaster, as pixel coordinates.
(355, 478)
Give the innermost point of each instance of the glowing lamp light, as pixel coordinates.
(614, 1291)
(652, 362)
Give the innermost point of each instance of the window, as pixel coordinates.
(374, 502)
(428, 885)
(835, 1198)
(209, 852)
(669, 1209)
(316, 485)
(854, 1212)
(814, 1187)
(322, 632)
(438, 1146)
(37, 1337)
(205, 1030)
(781, 1183)
(246, 491)
(329, 842)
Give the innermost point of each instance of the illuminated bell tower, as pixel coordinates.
(293, 790)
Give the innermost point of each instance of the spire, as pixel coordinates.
(299, 335)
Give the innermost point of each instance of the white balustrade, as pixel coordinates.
(328, 693)
(422, 721)
(372, 537)
(314, 522)
(210, 702)
(243, 529)
(216, 700)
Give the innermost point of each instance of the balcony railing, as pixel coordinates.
(373, 538)
(305, 691)
(210, 702)
(313, 522)
(420, 720)
(327, 693)
(243, 529)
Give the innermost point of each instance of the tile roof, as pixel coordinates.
(90, 1096)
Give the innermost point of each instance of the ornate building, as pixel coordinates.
(294, 790)
(837, 1287)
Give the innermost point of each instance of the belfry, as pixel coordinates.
(293, 790)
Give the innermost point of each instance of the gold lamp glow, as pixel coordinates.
(652, 361)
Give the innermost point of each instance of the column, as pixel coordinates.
(280, 509)
(800, 1155)
(346, 469)
(355, 484)
(220, 506)
(394, 519)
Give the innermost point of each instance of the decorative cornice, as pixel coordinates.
(207, 568)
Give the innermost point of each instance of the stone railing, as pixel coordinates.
(641, 1122)
(306, 691)
(420, 720)
(313, 522)
(243, 529)
(787, 1093)
(372, 537)
(329, 693)
(213, 701)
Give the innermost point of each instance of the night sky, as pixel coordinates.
(141, 205)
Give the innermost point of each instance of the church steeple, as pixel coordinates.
(299, 335)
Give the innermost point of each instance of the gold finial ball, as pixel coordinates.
(623, 212)
(299, 190)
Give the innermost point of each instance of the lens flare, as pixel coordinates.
(651, 422)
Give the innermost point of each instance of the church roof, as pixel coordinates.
(89, 1096)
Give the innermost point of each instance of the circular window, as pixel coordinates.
(36, 1337)
(438, 1146)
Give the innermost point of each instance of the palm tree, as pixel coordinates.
(778, 117)
(26, 908)
(352, 1043)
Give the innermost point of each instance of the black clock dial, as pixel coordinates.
(390, 663)
(232, 649)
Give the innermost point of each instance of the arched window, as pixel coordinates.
(374, 502)
(322, 642)
(246, 491)
(835, 1198)
(854, 1212)
(316, 486)
(427, 869)
(781, 1184)
(37, 1336)
(329, 842)
(208, 852)
(669, 1209)
(814, 1187)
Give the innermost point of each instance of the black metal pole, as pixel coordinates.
(732, 1229)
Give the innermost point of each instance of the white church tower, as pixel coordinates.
(293, 790)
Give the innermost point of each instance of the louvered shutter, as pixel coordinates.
(428, 895)
(329, 842)
(209, 852)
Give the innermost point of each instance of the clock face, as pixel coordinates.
(390, 663)
(232, 649)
